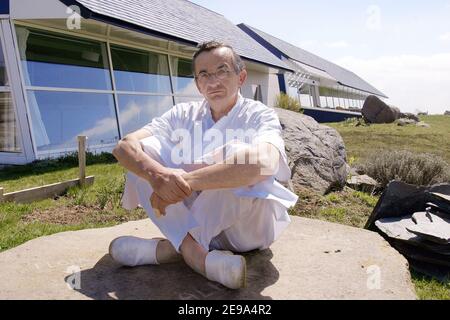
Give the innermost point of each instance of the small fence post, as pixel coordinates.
(1, 194)
(82, 159)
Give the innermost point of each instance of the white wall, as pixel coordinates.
(38, 9)
(274, 89)
(269, 85)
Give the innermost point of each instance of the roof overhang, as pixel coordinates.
(305, 74)
(312, 71)
(89, 14)
(59, 9)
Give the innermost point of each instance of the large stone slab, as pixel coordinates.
(311, 260)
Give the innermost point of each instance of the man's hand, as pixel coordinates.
(170, 186)
(159, 206)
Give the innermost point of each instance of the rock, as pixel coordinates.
(75, 265)
(316, 153)
(436, 229)
(404, 122)
(400, 199)
(447, 113)
(356, 171)
(398, 204)
(397, 227)
(376, 111)
(403, 229)
(410, 116)
(363, 183)
(423, 125)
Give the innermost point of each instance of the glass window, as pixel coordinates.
(323, 102)
(332, 102)
(3, 75)
(9, 137)
(182, 77)
(51, 60)
(305, 96)
(140, 71)
(59, 117)
(136, 111)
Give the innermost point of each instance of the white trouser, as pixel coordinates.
(239, 220)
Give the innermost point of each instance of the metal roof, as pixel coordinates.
(282, 48)
(310, 70)
(177, 20)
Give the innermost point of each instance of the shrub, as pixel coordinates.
(355, 122)
(285, 101)
(111, 193)
(417, 169)
(80, 196)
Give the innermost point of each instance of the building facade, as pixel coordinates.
(70, 68)
(104, 68)
(316, 82)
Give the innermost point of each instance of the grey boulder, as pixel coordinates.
(362, 183)
(376, 111)
(404, 122)
(410, 116)
(316, 153)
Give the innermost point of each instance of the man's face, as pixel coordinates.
(217, 91)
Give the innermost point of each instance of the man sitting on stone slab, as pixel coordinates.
(206, 174)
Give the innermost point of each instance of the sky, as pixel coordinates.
(400, 47)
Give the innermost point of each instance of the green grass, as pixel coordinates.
(40, 173)
(430, 289)
(347, 207)
(434, 140)
(80, 208)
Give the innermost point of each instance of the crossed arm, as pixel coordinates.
(171, 186)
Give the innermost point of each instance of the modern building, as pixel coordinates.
(104, 68)
(316, 82)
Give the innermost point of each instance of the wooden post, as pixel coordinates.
(82, 159)
(1, 194)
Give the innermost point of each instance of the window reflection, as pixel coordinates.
(183, 78)
(137, 111)
(57, 64)
(9, 137)
(51, 60)
(59, 117)
(140, 71)
(3, 75)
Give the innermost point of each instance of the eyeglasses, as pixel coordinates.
(221, 74)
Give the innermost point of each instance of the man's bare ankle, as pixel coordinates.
(166, 253)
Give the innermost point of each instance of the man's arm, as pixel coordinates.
(168, 184)
(260, 163)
